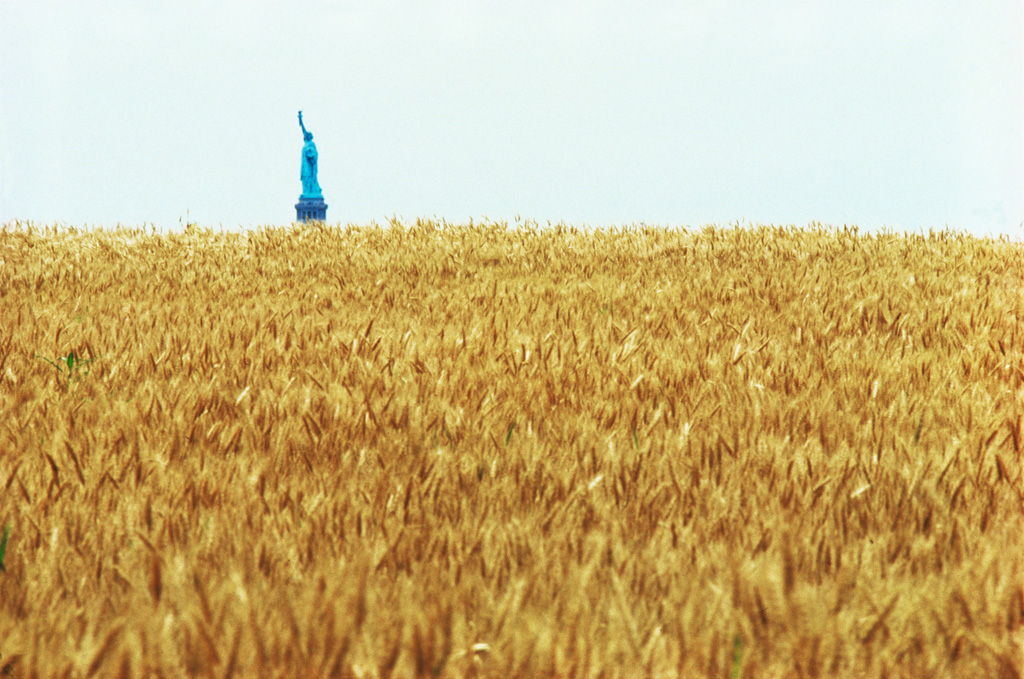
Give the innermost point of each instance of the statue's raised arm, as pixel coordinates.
(304, 133)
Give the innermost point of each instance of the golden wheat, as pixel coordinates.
(478, 451)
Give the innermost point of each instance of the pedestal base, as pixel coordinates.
(310, 209)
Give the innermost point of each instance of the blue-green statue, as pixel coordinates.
(310, 186)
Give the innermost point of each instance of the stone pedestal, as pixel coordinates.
(310, 209)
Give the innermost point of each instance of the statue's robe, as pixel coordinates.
(310, 185)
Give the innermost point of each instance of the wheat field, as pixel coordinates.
(435, 450)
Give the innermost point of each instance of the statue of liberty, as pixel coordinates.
(310, 186)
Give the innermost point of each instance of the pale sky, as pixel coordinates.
(905, 114)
